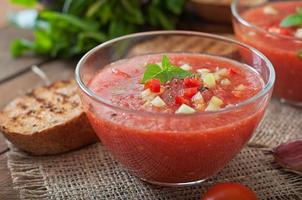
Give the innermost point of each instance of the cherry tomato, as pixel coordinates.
(229, 191)
(153, 85)
(190, 92)
(181, 100)
(192, 82)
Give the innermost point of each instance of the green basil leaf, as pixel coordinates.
(163, 76)
(151, 71)
(166, 73)
(165, 62)
(177, 72)
(291, 20)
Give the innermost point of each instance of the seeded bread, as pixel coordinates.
(48, 120)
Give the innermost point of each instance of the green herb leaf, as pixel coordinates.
(165, 62)
(27, 3)
(291, 20)
(166, 73)
(19, 46)
(151, 71)
(300, 54)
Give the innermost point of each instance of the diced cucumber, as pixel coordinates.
(225, 82)
(147, 95)
(158, 102)
(184, 109)
(209, 80)
(197, 98)
(186, 67)
(216, 101)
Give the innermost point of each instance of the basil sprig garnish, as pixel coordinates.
(293, 19)
(164, 73)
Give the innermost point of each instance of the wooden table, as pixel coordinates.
(17, 77)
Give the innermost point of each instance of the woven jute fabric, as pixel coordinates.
(92, 173)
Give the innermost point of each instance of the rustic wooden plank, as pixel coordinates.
(6, 186)
(10, 66)
(54, 70)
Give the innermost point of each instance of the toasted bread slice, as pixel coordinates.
(48, 120)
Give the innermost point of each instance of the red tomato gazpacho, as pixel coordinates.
(276, 31)
(159, 121)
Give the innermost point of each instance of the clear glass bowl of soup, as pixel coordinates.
(161, 145)
(258, 25)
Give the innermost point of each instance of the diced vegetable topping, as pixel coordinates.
(197, 98)
(186, 67)
(181, 100)
(209, 80)
(153, 85)
(192, 82)
(214, 104)
(222, 72)
(195, 92)
(158, 102)
(225, 82)
(190, 92)
(203, 71)
(215, 100)
(232, 72)
(298, 33)
(184, 109)
(147, 95)
(240, 87)
(269, 10)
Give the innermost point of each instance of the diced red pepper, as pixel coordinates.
(281, 30)
(181, 100)
(153, 85)
(192, 82)
(190, 92)
(232, 72)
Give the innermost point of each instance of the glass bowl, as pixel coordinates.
(168, 149)
(281, 50)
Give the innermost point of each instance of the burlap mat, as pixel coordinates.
(91, 173)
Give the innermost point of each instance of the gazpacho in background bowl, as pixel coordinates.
(275, 29)
(174, 107)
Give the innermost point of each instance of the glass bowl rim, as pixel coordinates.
(101, 100)
(234, 10)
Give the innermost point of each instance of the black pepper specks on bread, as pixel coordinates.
(48, 120)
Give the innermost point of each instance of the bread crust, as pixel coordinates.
(64, 136)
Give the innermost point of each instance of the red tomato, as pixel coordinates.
(182, 100)
(192, 82)
(190, 92)
(229, 191)
(153, 85)
(232, 71)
